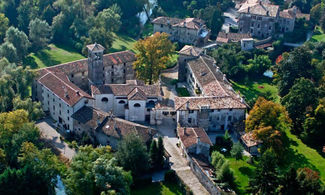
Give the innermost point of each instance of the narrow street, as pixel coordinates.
(53, 137)
(178, 162)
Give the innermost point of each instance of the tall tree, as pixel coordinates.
(19, 40)
(4, 22)
(40, 34)
(153, 53)
(132, 154)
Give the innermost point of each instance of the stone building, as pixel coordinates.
(188, 31)
(106, 128)
(132, 101)
(260, 18)
(224, 38)
(216, 105)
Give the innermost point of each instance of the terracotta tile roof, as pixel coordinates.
(301, 15)
(137, 94)
(196, 103)
(189, 136)
(56, 78)
(125, 89)
(60, 86)
(288, 13)
(191, 51)
(191, 23)
(111, 125)
(232, 37)
(259, 8)
(249, 140)
(119, 128)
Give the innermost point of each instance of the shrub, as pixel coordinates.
(170, 176)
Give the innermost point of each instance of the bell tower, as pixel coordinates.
(95, 64)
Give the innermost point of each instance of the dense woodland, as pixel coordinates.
(28, 166)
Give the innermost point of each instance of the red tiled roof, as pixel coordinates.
(189, 136)
(232, 37)
(125, 89)
(137, 94)
(196, 103)
(249, 140)
(191, 23)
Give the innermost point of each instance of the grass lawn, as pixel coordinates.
(53, 55)
(158, 189)
(304, 156)
(182, 92)
(243, 171)
(253, 89)
(122, 43)
(319, 37)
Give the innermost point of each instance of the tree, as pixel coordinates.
(226, 175)
(153, 154)
(237, 151)
(258, 65)
(217, 159)
(265, 180)
(4, 22)
(19, 40)
(35, 111)
(40, 34)
(94, 171)
(110, 18)
(153, 53)
(132, 154)
(293, 66)
(8, 51)
(302, 95)
(160, 153)
(309, 181)
(316, 13)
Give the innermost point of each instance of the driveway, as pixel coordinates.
(49, 133)
(178, 162)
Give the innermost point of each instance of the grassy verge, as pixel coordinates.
(253, 89)
(243, 171)
(53, 55)
(164, 188)
(182, 92)
(301, 155)
(318, 37)
(122, 43)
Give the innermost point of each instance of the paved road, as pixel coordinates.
(178, 162)
(51, 135)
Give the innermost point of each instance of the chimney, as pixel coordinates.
(224, 77)
(198, 140)
(65, 92)
(187, 105)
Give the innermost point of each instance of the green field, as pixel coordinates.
(122, 43)
(158, 189)
(301, 155)
(243, 171)
(318, 37)
(53, 55)
(253, 89)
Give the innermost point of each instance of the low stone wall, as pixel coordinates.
(205, 180)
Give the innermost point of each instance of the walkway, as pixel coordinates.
(53, 137)
(178, 162)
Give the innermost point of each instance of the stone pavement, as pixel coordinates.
(178, 162)
(49, 133)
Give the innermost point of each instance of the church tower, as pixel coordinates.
(95, 64)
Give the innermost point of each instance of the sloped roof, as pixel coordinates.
(232, 37)
(258, 7)
(95, 47)
(137, 94)
(249, 140)
(191, 51)
(196, 103)
(190, 23)
(125, 89)
(189, 136)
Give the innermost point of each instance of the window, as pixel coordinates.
(60, 112)
(189, 120)
(53, 100)
(191, 111)
(103, 68)
(86, 101)
(112, 73)
(161, 26)
(230, 109)
(137, 105)
(68, 118)
(72, 75)
(68, 111)
(83, 73)
(121, 102)
(229, 118)
(53, 107)
(105, 99)
(148, 110)
(60, 105)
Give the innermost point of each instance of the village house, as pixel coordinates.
(224, 38)
(259, 18)
(105, 82)
(188, 31)
(216, 105)
(250, 143)
(106, 128)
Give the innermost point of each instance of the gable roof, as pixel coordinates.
(125, 89)
(190, 23)
(191, 51)
(232, 37)
(257, 7)
(196, 103)
(95, 47)
(189, 136)
(137, 94)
